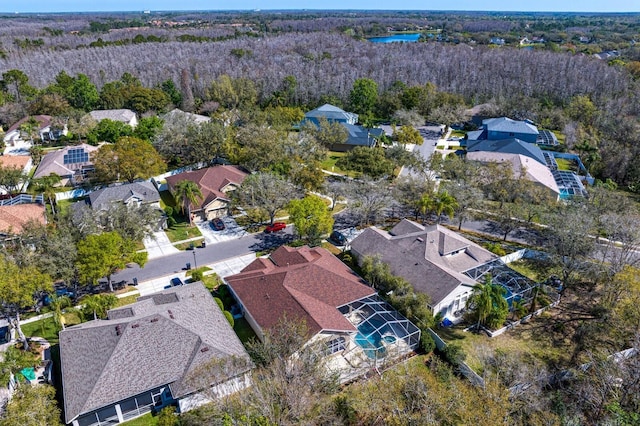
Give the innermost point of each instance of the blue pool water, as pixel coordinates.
(370, 339)
(396, 38)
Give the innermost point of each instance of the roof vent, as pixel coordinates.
(419, 239)
(135, 325)
(170, 313)
(205, 349)
(171, 316)
(154, 319)
(118, 330)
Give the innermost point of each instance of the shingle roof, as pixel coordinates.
(43, 122)
(509, 146)
(361, 136)
(534, 171)
(308, 284)
(123, 115)
(504, 124)
(53, 162)
(197, 118)
(153, 342)
(144, 191)
(14, 218)
(211, 181)
(331, 112)
(424, 257)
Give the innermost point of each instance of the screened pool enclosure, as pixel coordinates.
(382, 331)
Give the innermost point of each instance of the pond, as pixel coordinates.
(397, 38)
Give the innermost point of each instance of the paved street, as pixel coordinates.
(176, 263)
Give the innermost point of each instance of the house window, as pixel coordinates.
(336, 345)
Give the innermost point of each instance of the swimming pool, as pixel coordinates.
(371, 335)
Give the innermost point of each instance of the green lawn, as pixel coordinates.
(182, 231)
(243, 330)
(44, 328)
(123, 301)
(329, 164)
(457, 133)
(146, 420)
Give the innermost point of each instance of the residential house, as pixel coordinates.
(122, 115)
(72, 163)
(23, 163)
(160, 350)
(215, 183)
(504, 128)
(341, 311)
(130, 194)
(357, 135)
(332, 113)
(432, 259)
(177, 113)
(44, 129)
(523, 166)
(13, 218)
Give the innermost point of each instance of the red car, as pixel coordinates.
(277, 226)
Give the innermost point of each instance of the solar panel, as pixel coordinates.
(76, 155)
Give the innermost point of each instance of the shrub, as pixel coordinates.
(197, 275)
(426, 342)
(453, 354)
(229, 317)
(168, 211)
(219, 302)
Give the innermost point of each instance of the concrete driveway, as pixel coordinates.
(430, 136)
(231, 231)
(223, 268)
(159, 245)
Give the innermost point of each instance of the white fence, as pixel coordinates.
(22, 199)
(74, 193)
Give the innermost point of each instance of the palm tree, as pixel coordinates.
(425, 205)
(518, 309)
(482, 300)
(444, 203)
(99, 304)
(58, 304)
(186, 193)
(45, 185)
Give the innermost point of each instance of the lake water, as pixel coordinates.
(396, 38)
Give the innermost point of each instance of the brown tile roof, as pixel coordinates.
(431, 258)
(14, 218)
(156, 341)
(14, 161)
(305, 283)
(211, 181)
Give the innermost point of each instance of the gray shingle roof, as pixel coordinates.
(504, 124)
(508, 146)
(53, 162)
(424, 257)
(331, 112)
(144, 191)
(123, 115)
(155, 341)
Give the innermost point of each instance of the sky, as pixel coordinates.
(30, 6)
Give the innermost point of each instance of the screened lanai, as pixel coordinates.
(517, 285)
(382, 331)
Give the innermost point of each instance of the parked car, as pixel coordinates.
(277, 226)
(217, 224)
(60, 292)
(175, 282)
(337, 238)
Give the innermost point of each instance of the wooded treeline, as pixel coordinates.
(328, 64)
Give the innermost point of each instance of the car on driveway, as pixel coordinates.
(217, 224)
(275, 227)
